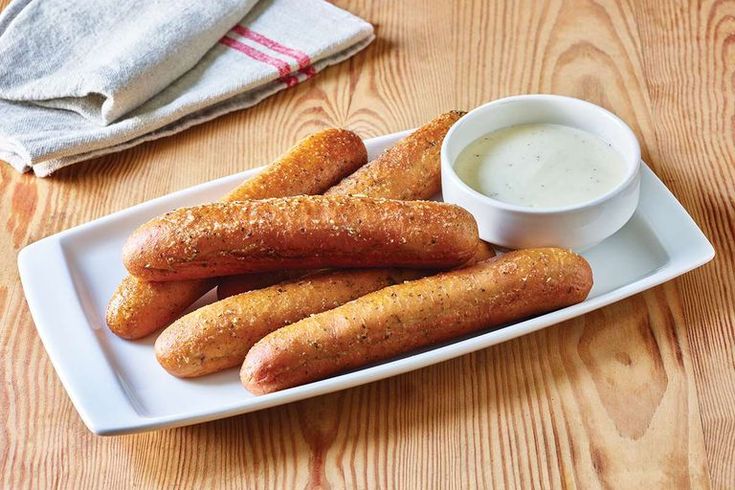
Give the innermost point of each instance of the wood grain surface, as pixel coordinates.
(640, 394)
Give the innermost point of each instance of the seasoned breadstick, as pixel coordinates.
(138, 307)
(409, 170)
(312, 232)
(317, 162)
(217, 336)
(419, 313)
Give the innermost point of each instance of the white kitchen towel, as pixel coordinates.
(121, 90)
(103, 58)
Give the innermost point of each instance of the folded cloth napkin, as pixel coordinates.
(82, 79)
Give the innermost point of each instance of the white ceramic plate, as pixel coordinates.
(118, 387)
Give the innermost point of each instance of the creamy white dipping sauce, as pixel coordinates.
(541, 165)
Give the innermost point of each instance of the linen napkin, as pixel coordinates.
(82, 79)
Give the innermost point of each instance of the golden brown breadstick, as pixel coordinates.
(313, 165)
(409, 170)
(312, 232)
(217, 336)
(418, 313)
(138, 308)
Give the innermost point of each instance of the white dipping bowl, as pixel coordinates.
(512, 226)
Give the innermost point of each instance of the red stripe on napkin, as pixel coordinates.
(302, 58)
(283, 69)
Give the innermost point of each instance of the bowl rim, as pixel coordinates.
(448, 169)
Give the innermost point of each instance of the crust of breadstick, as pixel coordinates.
(415, 314)
(138, 308)
(312, 166)
(409, 170)
(312, 232)
(217, 336)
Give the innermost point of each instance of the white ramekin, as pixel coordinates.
(512, 226)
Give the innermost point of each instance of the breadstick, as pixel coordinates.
(415, 314)
(409, 170)
(313, 165)
(138, 308)
(312, 232)
(217, 336)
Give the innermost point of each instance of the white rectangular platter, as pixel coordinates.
(118, 387)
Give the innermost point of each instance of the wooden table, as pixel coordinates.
(638, 394)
